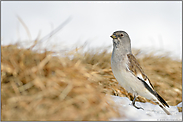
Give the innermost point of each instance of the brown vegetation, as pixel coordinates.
(39, 86)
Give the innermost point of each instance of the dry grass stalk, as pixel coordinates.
(38, 86)
(43, 87)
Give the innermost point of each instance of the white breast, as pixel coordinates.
(126, 79)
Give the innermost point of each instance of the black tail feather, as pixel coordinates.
(161, 100)
(154, 93)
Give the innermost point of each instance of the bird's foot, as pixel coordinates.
(133, 103)
(137, 107)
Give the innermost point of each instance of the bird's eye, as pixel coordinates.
(121, 34)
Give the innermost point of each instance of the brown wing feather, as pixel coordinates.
(136, 68)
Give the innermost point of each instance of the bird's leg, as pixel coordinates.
(133, 103)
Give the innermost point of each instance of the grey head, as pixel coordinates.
(121, 40)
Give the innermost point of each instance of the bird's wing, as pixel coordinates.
(134, 67)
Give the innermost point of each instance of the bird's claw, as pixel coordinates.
(138, 107)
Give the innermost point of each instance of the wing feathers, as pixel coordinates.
(134, 67)
(161, 100)
(146, 80)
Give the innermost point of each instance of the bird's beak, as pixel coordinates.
(113, 36)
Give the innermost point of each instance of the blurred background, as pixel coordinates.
(151, 25)
(77, 86)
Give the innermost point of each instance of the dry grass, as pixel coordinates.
(39, 86)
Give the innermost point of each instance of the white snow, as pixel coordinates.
(151, 112)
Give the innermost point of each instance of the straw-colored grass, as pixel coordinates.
(39, 86)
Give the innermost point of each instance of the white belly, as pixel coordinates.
(127, 80)
(131, 83)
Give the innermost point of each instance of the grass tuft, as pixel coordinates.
(40, 86)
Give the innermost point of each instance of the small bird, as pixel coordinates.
(129, 73)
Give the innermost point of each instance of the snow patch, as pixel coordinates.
(151, 112)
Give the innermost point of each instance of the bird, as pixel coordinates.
(129, 73)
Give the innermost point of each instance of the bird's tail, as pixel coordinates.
(161, 102)
(166, 111)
